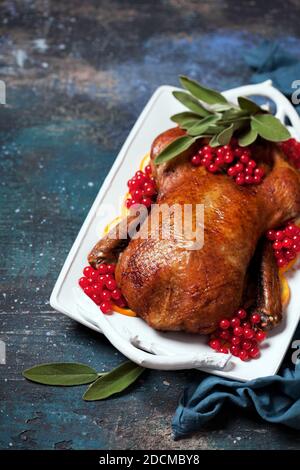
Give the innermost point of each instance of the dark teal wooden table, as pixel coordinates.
(78, 73)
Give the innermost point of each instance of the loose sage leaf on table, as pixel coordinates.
(202, 93)
(64, 374)
(191, 103)
(113, 382)
(175, 148)
(269, 127)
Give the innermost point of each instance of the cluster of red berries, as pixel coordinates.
(241, 336)
(100, 285)
(291, 148)
(286, 243)
(142, 188)
(236, 161)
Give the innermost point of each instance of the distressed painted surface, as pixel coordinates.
(78, 74)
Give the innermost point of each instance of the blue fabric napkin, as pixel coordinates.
(270, 61)
(277, 398)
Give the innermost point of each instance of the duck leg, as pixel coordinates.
(264, 286)
(108, 249)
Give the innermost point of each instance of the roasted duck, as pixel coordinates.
(173, 288)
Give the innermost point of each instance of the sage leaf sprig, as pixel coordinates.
(68, 374)
(211, 116)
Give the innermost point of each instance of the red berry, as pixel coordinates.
(243, 355)
(287, 243)
(246, 324)
(279, 235)
(256, 179)
(290, 254)
(238, 331)
(281, 262)
(212, 168)
(223, 350)
(228, 158)
(277, 245)
(196, 160)
(259, 172)
(246, 345)
(105, 295)
(121, 302)
(116, 294)
(97, 288)
(128, 202)
(224, 334)
(110, 268)
(240, 179)
(105, 307)
(148, 170)
(251, 164)
(249, 333)
(102, 269)
(224, 324)
(244, 158)
(146, 201)
(215, 344)
(239, 167)
(255, 318)
(89, 271)
(271, 235)
(231, 171)
(254, 352)
(83, 282)
(149, 191)
(111, 284)
(241, 314)
(95, 298)
(248, 179)
(260, 336)
(238, 152)
(235, 340)
(88, 290)
(235, 350)
(235, 322)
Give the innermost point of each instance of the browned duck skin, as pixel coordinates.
(173, 288)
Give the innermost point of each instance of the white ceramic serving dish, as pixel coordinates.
(132, 336)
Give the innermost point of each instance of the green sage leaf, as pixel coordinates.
(114, 382)
(248, 137)
(225, 136)
(200, 127)
(249, 105)
(184, 118)
(63, 374)
(269, 127)
(175, 148)
(214, 142)
(190, 103)
(202, 93)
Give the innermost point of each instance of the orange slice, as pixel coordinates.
(285, 290)
(145, 161)
(124, 311)
(112, 224)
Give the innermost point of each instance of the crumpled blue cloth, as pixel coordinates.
(275, 398)
(271, 61)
